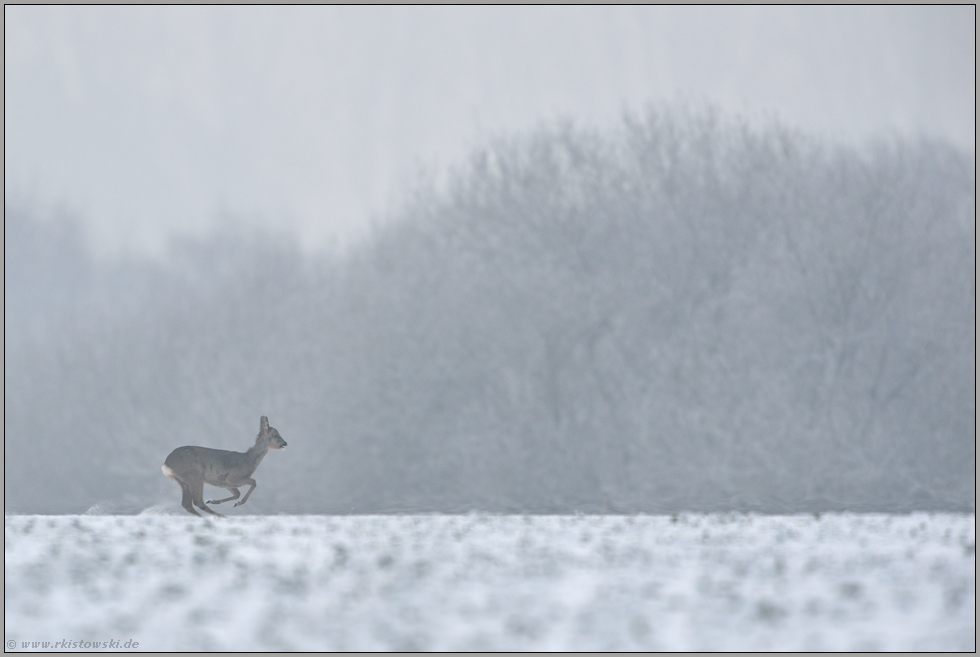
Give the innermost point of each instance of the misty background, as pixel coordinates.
(528, 260)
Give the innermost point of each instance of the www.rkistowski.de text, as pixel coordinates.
(68, 644)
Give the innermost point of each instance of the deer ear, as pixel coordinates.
(264, 424)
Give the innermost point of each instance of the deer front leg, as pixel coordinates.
(234, 496)
(250, 482)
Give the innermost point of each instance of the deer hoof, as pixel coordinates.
(238, 503)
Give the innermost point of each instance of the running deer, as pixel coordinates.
(192, 467)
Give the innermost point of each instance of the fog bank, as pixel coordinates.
(682, 312)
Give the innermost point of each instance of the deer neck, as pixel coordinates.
(256, 453)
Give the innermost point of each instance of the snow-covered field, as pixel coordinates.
(485, 582)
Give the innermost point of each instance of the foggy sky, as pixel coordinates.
(154, 121)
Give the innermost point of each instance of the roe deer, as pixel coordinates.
(192, 467)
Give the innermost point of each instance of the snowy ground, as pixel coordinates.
(483, 582)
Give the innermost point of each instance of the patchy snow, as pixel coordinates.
(485, 582)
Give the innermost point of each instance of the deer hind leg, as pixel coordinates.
(198, 495)
(250, 482)
(235, 494)
(187, 498)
